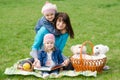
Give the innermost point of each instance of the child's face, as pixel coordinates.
(49, 16)
(49, 45)
(60, 24)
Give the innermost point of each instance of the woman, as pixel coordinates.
(63, 24)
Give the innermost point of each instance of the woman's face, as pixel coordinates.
(60, 24)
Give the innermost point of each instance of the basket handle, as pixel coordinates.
(86, 42)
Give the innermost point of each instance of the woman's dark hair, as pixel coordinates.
(65, 19)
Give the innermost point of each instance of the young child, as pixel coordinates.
(49, 12)
(49, 55)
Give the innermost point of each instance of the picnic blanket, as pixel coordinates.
(71, 73)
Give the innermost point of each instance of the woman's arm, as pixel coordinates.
(38, 41)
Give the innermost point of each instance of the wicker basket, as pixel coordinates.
(87, 64)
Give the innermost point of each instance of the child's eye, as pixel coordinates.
(51, 14)
(47, 43)
(47, 15)
(51, 42)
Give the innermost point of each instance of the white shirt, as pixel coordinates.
(49, 61)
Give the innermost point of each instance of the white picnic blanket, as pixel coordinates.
(71, 73)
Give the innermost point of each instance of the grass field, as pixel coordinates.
(94, 20)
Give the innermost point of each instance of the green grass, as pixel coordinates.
(94, 20)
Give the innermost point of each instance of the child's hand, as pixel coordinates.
(66, 62)
(36, 63)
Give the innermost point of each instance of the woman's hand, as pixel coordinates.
(36, 63)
